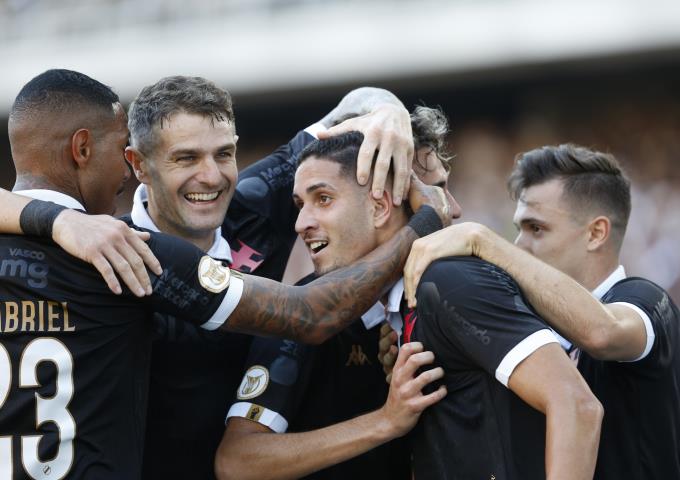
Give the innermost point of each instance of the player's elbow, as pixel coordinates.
(579, 405)
(228, 463)
(589, 410)
(600, 342)
(227, 467)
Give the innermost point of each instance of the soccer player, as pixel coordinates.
(178, 145)
(290, 387)
(572, 210)
(487, 338)
(185, 159)
(74, 356)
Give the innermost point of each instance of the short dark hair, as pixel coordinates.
(170, 95)
(430, 127)
(592, 181)
(342, 149)
(60, 90)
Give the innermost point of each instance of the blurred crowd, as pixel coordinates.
(644, 134)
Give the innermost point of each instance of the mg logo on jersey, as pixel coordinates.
(254, 383)
(357, 357)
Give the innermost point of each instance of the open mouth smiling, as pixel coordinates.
(202, 197)
(317, 245)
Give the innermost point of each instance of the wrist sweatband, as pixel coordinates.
(425, 221)
(37, 218)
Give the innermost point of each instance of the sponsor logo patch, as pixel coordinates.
(254, 382)
(254, 413)
(212, 275)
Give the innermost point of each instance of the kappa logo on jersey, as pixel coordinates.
(357, 357)
(212, 275)
(254, 382)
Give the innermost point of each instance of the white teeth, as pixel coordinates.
(202, 197)
(316, 246)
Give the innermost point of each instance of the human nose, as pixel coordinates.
(522, 242)
(454, 207)
(305, 221)
(209, 173)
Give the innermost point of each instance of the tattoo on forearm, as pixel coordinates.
(315, 311)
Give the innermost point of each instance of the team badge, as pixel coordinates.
(254, 382)
(212, 275)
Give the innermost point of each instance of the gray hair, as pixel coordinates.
(156, 103)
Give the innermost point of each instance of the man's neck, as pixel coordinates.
(40, 182)
(594, 277)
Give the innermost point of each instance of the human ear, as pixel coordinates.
(382, 209)
(598, 232)
(81, 147)
(139, 164)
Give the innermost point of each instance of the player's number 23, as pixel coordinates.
(52, 409)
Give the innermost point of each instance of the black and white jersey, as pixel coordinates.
(194, 372)
(291, 387)
(641, 428)
(74, 356)
(260, 222)
(473, 317)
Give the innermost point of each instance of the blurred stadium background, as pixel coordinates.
(510, 74)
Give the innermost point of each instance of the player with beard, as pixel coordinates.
(62, 327)
(498, 357)
(185, 158)
(307, 390)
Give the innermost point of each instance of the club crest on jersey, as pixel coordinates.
(212, 275)
(254, 382)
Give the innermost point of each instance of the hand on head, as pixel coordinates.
(387, 132)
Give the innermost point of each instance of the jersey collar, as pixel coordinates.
(616, 276)
(52, 196)
(140, 217)
(378, 313)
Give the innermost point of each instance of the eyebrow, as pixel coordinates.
(527, 220)
(312, 188)
(318, 186)
(195, 151)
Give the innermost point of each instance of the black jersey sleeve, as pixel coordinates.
(277, 374)
(260, 222)
(660, 315)
(276, 377)
(473, 314)
(267, 185)
(193, 286)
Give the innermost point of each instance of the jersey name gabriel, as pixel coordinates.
(74, 356)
